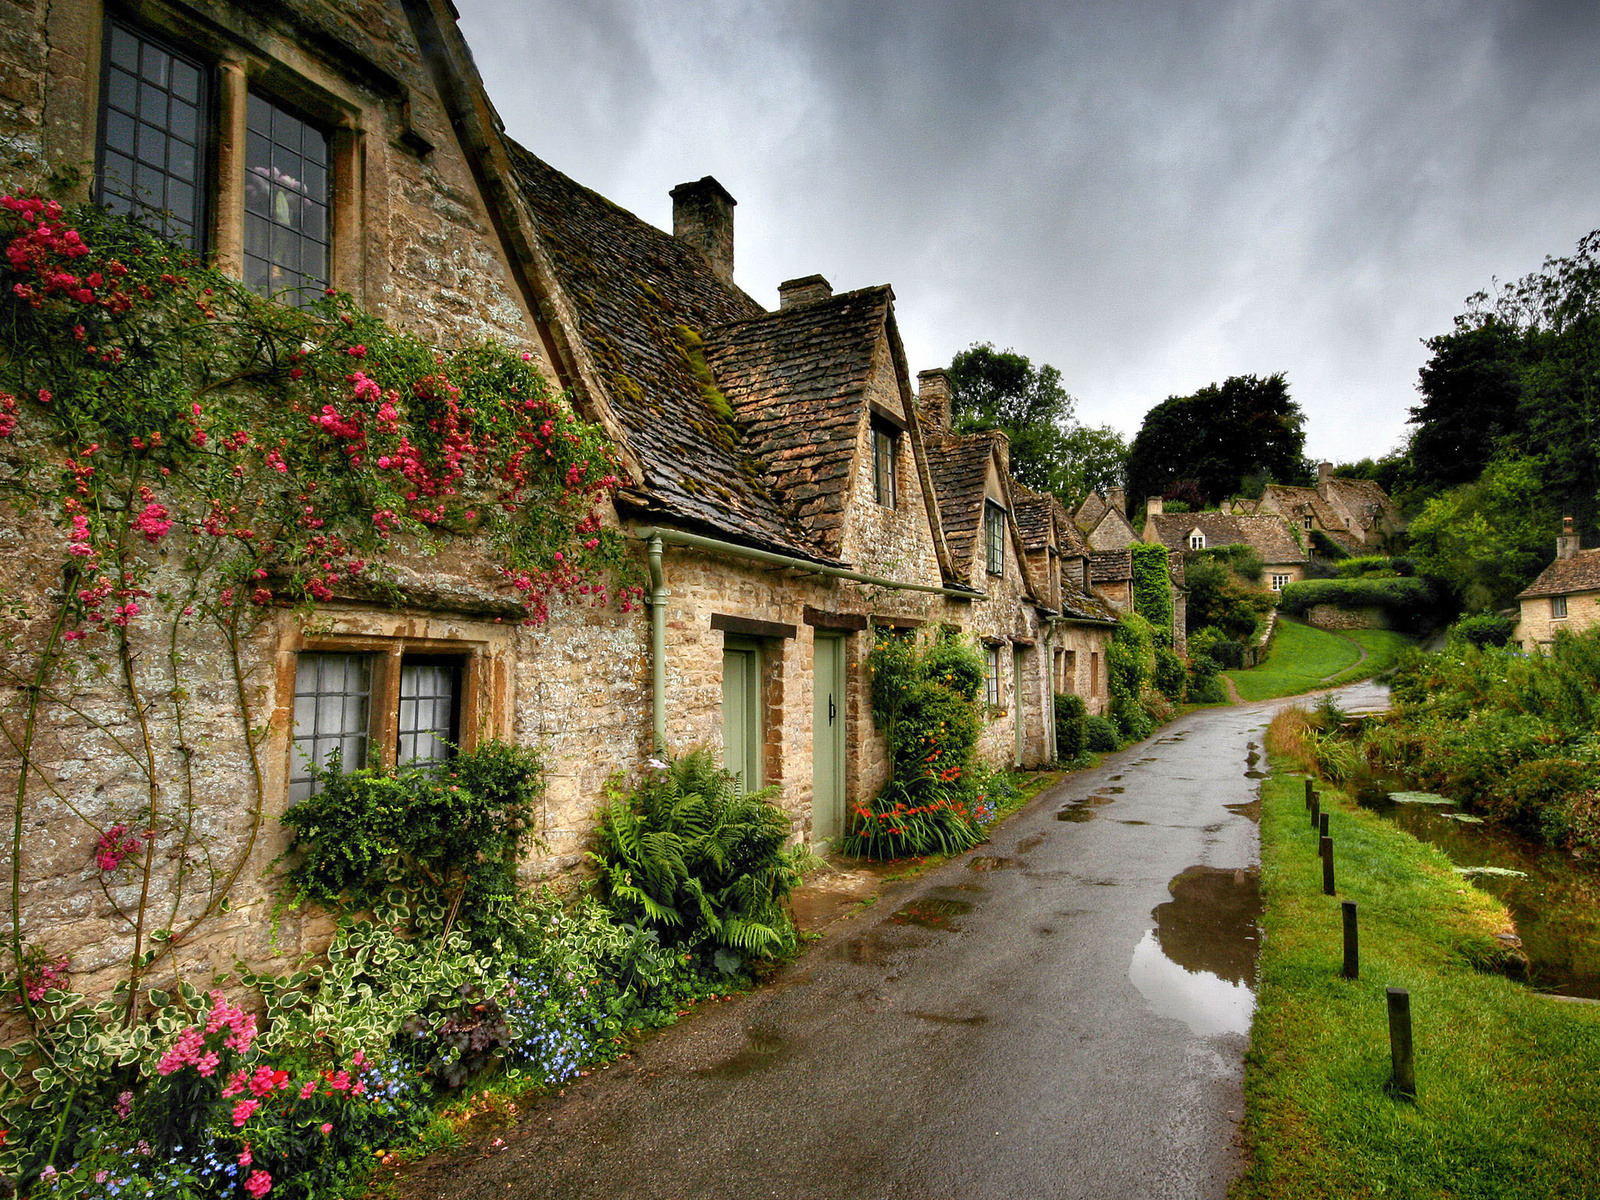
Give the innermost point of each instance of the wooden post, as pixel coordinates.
(1316, 810)
(1326, 846)
(1323, 825)
(1404, 1078)
(1352, 947)
(1308, 793)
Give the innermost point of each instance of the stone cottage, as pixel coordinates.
(1566, 596)
(1283, 558)
(786, 489)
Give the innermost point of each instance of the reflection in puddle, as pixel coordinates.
(1135, 822)
(1198, 964)
(763, 1049)
(877, 946)
(1250, 811)
(1029, 842)
(1253, 774)
(990, 862)
(931, 912)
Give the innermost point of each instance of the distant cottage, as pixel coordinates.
(1566, 596)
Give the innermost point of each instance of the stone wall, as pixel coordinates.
(1538, 628)
(1331, 616)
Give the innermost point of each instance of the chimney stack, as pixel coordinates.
(803, 291)
(1118, 499)
(1567, 542)
(1153, 506)
(1324, 477)
(702, 217)
(933, 398)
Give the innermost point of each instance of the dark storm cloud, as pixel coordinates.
(1150, 196)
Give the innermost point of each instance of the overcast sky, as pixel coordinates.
(1150, 196)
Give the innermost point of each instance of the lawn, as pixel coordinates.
(1508, 1083)
(1304, 658)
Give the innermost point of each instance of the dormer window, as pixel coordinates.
(885, 463)
(1197, 540)
(1308, 523)
(994, 537)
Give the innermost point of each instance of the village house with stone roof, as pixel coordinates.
(1103, 520)
(1283, 558)
(788, 491)
(1566, 596)
(1356, 515)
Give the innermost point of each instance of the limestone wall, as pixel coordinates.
(1331, 616)
(1537, 627)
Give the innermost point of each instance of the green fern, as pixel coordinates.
(700, 862)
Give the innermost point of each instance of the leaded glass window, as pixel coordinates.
(332, 713)
(152, 135)
(885, 454)
(286, 198)
(428, 710)
(994, 537)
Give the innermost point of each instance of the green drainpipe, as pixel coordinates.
(658, 644)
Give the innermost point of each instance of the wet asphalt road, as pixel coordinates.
(1057, 1014)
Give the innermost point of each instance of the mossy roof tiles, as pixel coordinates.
(1110, 566)
(1268, 534)
(798, 378)
(645, 304)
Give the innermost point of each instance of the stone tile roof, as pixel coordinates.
(1110, 566)
(797, 380)
(1294, 502)
(644, 303)
(1034, 516)
(1580, 573)
(959, 465)
(1268, 534)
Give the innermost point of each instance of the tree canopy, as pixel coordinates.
(1204, 447)
(1050, 451)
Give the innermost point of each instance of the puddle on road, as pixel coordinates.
(1083, 810)
(762, 1048)
(1198, 964)
(990, 862)
(878, 945)
(931, 912)
(1250, 810)
(1029, 842)
(950, 1018)
(1133, 822)
(1252, 774)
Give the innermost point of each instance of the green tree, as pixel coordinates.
(1050, 451)
(1489, 538)
(1209, 443)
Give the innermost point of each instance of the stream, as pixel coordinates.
(1554, 901)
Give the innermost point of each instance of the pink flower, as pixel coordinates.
(124, 1105)
(245, 1157)
(259, 1184)
(305, 1092)
(243, 1110)
(153, 522)
(326, 1129)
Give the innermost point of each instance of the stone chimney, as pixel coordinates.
(1152, 506)
(1324, 478)
(1118, 499)
(1567, 542)
(803, 291)
(702, 217)
(933, 398)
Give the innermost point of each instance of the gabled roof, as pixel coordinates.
(1296, 501)
(959, 465)
(797, 380)
(1581, 573)
(1079, 605)
(1268, 534)
(1360, 496)
(1034, 517)
(1090, 511)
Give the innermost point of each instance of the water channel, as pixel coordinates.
(1554, 900)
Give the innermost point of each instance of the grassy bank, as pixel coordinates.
(1303, 658)
(1508, 1102)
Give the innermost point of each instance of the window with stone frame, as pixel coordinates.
(991, 683)
(885, 463)
(1308, 522)
(994, 537)
(161, 110)
(339, 710)
(1558, 608)
(1279, 582)
(1197, 541)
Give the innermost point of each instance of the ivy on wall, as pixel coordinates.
(1152, 589)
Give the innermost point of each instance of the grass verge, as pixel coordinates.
(1508, 1103)
(1383, 647)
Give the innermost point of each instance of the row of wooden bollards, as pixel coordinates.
(1404, 1075)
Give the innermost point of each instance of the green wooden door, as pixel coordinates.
(741, 713)
(827, 739)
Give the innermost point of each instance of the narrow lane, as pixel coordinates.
(1044, 1017)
